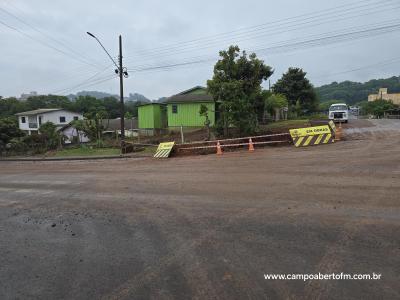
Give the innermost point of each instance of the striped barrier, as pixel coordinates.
(311, 136)
(208, 147)
(164, 150)
(332, 126)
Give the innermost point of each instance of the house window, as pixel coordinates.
(174, 108)
(62, 119)
(23, 120)
(76, 118)
(40, 120)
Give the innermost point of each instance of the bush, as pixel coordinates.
(318, 116)
(9, 130)
(377, 108)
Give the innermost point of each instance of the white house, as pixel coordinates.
(72, 134)
(30, 121)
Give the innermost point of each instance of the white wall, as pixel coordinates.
(70, 132)
(53, 116)
(23, 126)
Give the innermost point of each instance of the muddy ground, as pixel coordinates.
(207, 227)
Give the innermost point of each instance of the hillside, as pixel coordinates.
(135, 97)
(353, 92)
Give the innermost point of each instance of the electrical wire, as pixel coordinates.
(283, 31)
(382, 63)
(294, 24)
(88, 80)
(86, 84)
(46, 44)
(288, 46)
(331, 10)
(67, 47)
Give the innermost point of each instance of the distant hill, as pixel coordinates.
(135, 97)
(96, 94)
(138, 98)
(161, 100)
(353, 92)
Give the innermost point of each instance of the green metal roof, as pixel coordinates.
(152, 103)
(196, 94)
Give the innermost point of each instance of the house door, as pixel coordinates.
(40, 120)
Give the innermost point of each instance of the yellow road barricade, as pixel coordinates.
(164, 150)
(311, 136)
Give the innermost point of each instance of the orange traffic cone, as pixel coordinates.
(251, 146)
(219, 149)
(338, 133)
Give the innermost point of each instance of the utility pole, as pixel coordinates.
(121, 94)
(122, 72)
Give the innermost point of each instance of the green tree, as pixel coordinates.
(50, 135)
(87, 104)
(112, 106)
(353, 92)
(132, 107)
(377, 108)
(296, 87)
(236, 84)
(49, 101)
(204, 113)
(128, 115)
(94, 125)
(274, 103)
(9, 130)
(10, 106)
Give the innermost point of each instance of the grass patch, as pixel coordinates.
(149, 150)
(86, 151)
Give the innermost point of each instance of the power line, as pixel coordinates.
(287, 46)
(274, 33)
(382, 63)
(87, 80)
(171, 65)
(70, 49)
(93, 83)
(85, 84)
(249, 28)
(295, 24)
(46, 44)
(335, 37)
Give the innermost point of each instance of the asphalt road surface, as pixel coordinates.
(207, 227)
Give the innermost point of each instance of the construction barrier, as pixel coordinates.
(311, 136)
(331, 124)
(164, 150)
(208, 147)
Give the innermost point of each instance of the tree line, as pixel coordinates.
(94, 110)
(354, 92)
(83, 104)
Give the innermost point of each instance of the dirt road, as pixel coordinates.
(206, 227)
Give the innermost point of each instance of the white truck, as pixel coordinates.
(339, 112)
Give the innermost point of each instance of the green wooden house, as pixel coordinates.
(183, 108)
(152, 116)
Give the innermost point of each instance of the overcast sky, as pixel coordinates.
(51, 52)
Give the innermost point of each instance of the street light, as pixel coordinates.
(122, 72)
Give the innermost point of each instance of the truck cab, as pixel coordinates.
(339, 112)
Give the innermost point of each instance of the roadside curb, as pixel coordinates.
(75, 158)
